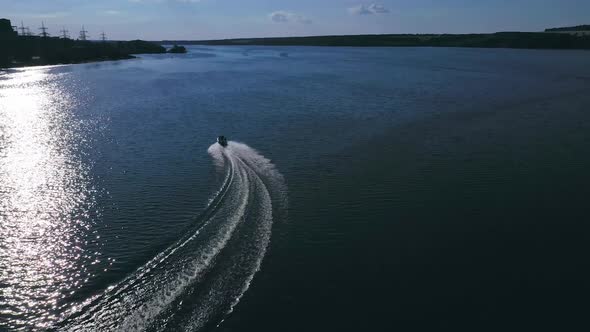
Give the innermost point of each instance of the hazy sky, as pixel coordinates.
(210, 19)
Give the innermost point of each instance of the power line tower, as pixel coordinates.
(103, 37)
(64, 33)
(83, 34)
(43, 29)
(23, 30)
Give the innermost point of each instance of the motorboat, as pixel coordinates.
(222, 141)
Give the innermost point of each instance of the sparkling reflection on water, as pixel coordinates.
(46, 200)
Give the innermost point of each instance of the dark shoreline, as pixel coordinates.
(27, 50)
(38, 64)
(519, 40)
(37, 51)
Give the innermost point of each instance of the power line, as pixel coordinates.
(103, 37)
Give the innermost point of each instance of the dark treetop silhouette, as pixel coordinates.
(24, 50)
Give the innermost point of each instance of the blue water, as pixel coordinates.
(363, 188)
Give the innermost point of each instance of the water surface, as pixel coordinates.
(364, 188)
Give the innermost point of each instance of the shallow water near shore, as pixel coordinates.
(363, 188)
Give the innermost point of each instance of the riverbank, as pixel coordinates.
(40, 62)
(22, 51)
(37, 51)
(525, 40)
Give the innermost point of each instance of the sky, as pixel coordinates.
(216, 19)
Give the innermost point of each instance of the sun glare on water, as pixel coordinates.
(45, 200)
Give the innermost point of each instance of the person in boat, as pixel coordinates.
(222, 140)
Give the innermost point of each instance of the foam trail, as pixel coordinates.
(198, 280)
(238, 270)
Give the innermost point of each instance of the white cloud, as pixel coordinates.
(160, 1)
(48, 15)
(378, 9)
(284, 17)
(279, 16)
(112, 12)
(368, 9)
(359, 10)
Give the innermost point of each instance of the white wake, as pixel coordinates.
(198, 280)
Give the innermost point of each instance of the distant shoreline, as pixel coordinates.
(32, 51)
(24, 50)
(519, 40)
(17, 65)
